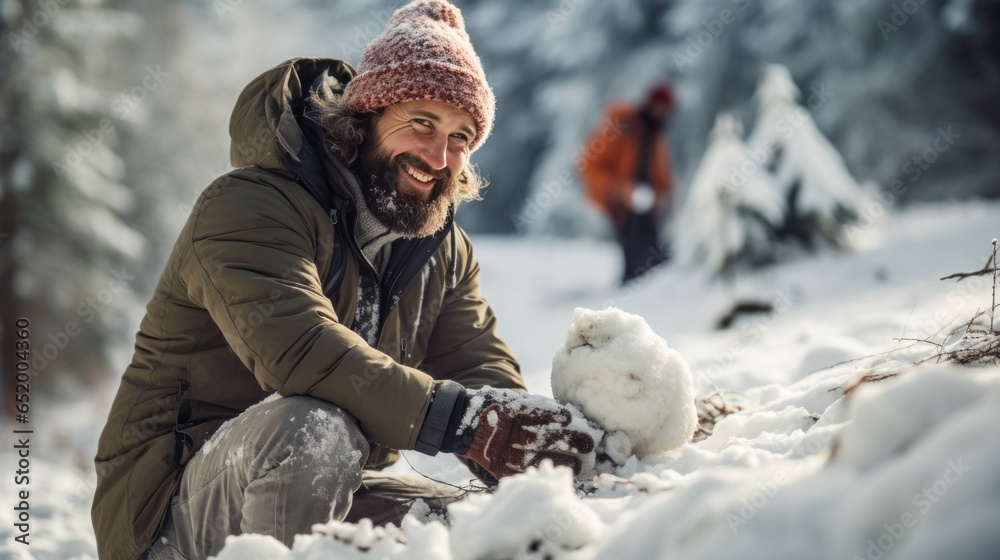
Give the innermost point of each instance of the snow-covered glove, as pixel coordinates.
(508, 431)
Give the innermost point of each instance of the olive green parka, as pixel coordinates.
(240, 312)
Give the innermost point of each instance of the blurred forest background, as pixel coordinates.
(114, 116)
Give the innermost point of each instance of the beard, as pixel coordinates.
(397, 204)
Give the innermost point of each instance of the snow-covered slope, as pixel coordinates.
(904, 467)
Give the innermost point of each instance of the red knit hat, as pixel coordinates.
(662, 93)
(424, 54)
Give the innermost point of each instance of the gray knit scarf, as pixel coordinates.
(375, 240)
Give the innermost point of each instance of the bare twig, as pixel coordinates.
(869, 378)
(592, 486)
(987, 269)
(714, 407)
(920, 340)
(993, 307)
(978, 345)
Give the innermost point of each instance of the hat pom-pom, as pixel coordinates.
(436, 10)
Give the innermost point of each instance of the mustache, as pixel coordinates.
(419, 165)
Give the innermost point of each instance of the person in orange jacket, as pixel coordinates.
(625, 167)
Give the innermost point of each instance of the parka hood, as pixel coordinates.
(263, 125)
(268, 130)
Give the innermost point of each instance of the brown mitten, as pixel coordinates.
(514, 431)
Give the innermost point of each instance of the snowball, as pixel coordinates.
(618, 446)
(624, 377)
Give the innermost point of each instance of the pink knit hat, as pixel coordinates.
(424, 54)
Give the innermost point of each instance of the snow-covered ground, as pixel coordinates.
(902, 468)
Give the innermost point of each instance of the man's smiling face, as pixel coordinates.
(410, 167)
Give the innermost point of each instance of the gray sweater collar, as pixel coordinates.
(374, 237)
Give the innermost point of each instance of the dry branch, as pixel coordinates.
(987, 269)
(714, 407)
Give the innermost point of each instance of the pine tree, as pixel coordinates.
(69, 255)
(555, 66)
(822, 197)
(733, 208)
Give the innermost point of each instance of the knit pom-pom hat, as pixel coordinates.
(424, 54)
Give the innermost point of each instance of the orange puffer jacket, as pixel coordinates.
(609, 159)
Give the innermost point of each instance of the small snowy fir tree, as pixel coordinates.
(822, 197)
(733, 209)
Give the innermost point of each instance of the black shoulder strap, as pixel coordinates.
(306, 166)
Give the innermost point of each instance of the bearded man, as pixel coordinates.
(321, 311)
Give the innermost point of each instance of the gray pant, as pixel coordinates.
(278, 469)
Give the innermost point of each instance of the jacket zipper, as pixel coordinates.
(386, 296)
(388, 304)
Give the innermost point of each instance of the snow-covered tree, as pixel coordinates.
(895, 79)
(70, 250)
(733, 208)
(822, 197)
(555, 65)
